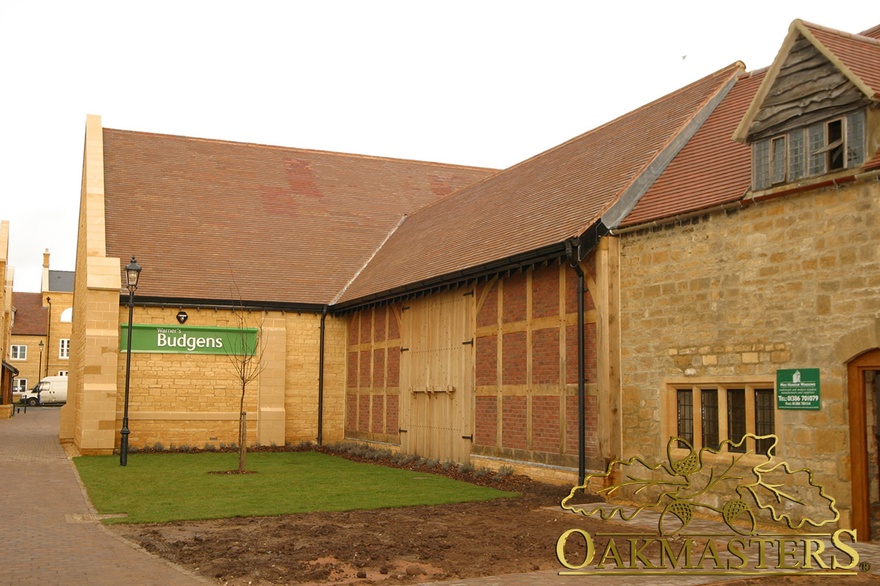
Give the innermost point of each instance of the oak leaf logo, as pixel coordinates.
(683, 487)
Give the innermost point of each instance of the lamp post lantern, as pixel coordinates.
(132, 273)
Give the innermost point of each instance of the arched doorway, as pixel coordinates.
(863, 385)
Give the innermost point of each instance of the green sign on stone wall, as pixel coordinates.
(797, 388)
(189, 340)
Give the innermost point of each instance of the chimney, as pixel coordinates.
(45, 283)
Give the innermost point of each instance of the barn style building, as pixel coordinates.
(656, 277)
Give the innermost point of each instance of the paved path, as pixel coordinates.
(49, 533)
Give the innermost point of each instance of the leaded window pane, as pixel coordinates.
(817, 143)
(709, 414)
(764, 418)
(685, 401)
(778, 154)
(855, 139)
(761, 164)
(736, 418)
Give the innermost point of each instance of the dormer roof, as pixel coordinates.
(817, 72)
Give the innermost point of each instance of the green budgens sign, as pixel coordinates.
(189, 340)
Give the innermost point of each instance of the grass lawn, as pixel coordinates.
(175, 487)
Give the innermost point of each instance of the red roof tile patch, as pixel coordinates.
(230, 221)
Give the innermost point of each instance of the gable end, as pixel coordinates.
(808, 88)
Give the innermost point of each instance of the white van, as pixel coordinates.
(50, 390)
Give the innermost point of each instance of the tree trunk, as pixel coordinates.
(242, 442)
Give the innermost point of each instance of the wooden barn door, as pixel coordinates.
(437, 377)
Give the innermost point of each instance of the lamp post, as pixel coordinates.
(40, 366)
(132, 273)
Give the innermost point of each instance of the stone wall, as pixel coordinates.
(732, 297)
(193, 399)
(54, 361)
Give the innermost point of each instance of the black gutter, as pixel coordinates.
(551, 252)
(321, 379)
(175, 302)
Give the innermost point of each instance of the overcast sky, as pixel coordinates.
(482, 83)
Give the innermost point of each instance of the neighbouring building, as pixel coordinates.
(56, 292)
(40, 342)
(657, 277)
(28, 341)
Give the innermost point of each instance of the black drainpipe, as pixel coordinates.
(321, 380)
(571, 248)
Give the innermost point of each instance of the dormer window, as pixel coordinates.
(824, 147)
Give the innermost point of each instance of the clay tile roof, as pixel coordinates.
(714, 170)
(536, 204)
(857, 56)
(30, 315)
(217, 220)
(710, 170)
(873, 32)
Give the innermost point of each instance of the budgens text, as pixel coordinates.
(188, 342)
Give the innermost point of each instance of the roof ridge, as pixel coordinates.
(738, 64)
(663, 98)
(297, 149)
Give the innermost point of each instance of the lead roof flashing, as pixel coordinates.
(627, 201)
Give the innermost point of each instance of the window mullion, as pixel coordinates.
(750, 416)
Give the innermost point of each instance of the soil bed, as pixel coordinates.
(389, 546)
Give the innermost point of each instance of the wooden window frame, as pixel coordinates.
(64, 348)
(18, 352)
(829, 146)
